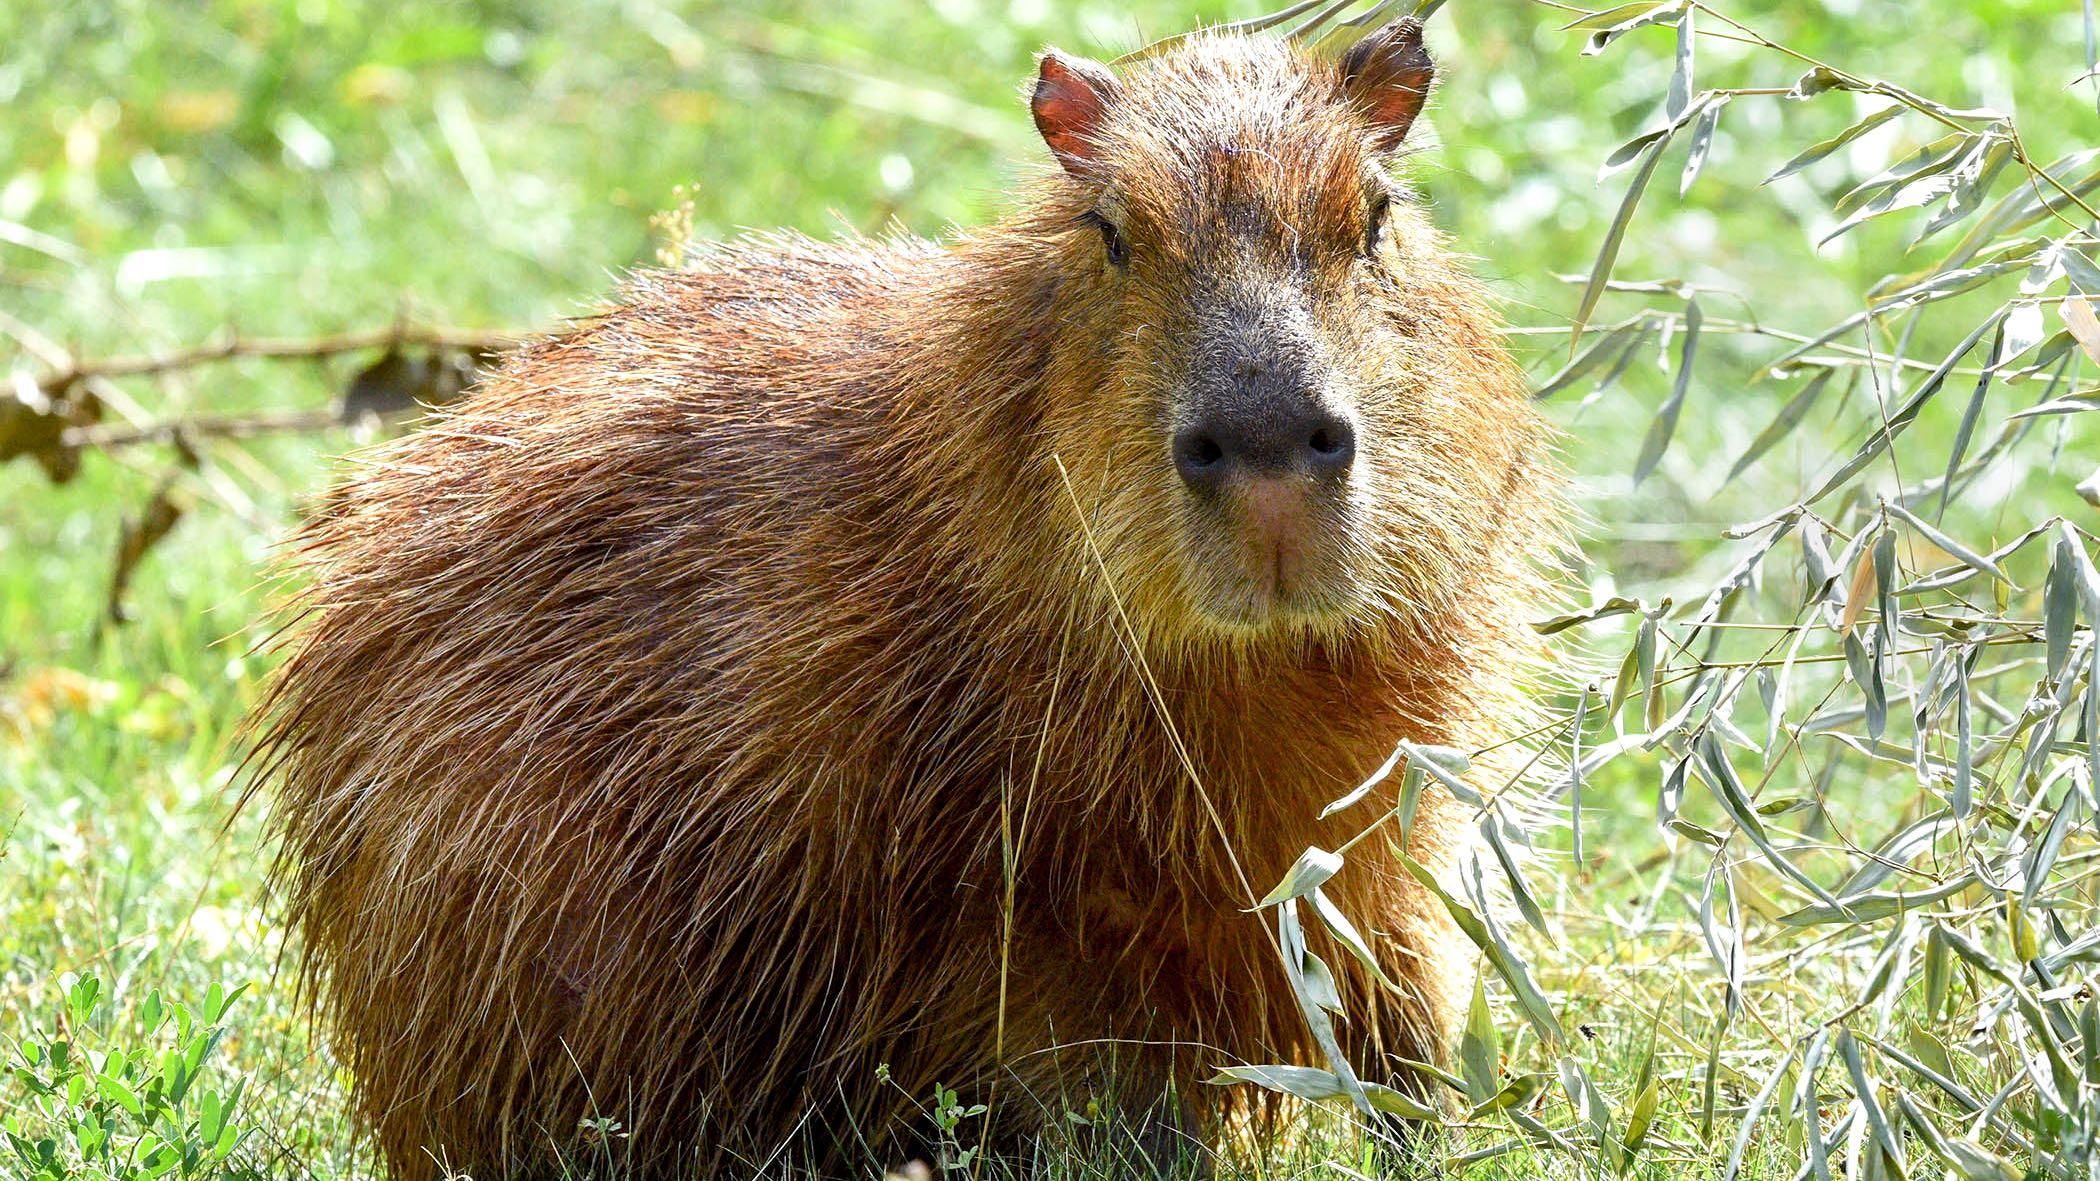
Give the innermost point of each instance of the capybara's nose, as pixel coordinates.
(1310, 440)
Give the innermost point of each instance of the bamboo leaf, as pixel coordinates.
(1823, 149)
(1506, 962)
(1901, 417)
(1665, 425)
(1969, 416)
(1365, 788)
(1314, 987)
(1317, 1086)
(1616, 605)
(1932, 179)
(1936, 157)
(1608, 17)
(1864, 1091)
(1963, 794)
(1646, 1094)
(1444, 765)
(1623, 338)
(1727, 790)
(2085, 327)
(1527, 906)
(1724, 941)
(1313, 866)
(1702, 140)
(1680, 92)
(1614, 237)
(1479, 1049)
(1783, 423)
(1346, 934)
(1756, 1109)
(1972, 182)
(1639, 17)
(1519, 1093)
(2060, 602)
(1980, 563)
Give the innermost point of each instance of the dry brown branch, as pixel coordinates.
(233, 346)
(53, 418)
(229, 426)
(140, 534)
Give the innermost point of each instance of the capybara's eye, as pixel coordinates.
(1375, 231)
(1111, 237)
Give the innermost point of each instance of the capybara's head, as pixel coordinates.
(1271, 335)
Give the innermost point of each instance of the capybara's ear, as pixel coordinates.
(1387, 75)
(1069, 102)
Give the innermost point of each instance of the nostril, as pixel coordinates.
(1332, 445)
(1199, 457)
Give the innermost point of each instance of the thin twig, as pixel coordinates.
(232, 426)
(234, 346)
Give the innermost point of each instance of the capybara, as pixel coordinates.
(842, 668)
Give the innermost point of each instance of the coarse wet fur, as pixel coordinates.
(818, 663)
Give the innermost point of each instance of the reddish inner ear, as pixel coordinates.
(1068, 106)
(1387, 76)
(1398, 102)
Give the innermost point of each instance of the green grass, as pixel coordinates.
(293, 168)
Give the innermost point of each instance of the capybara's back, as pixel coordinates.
(910, 655)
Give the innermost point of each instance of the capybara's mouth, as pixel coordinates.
(1262, 604)
(1264, 553)
(1261, 583)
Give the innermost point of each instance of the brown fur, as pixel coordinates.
(669, 726)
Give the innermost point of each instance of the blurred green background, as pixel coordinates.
(170, 172)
